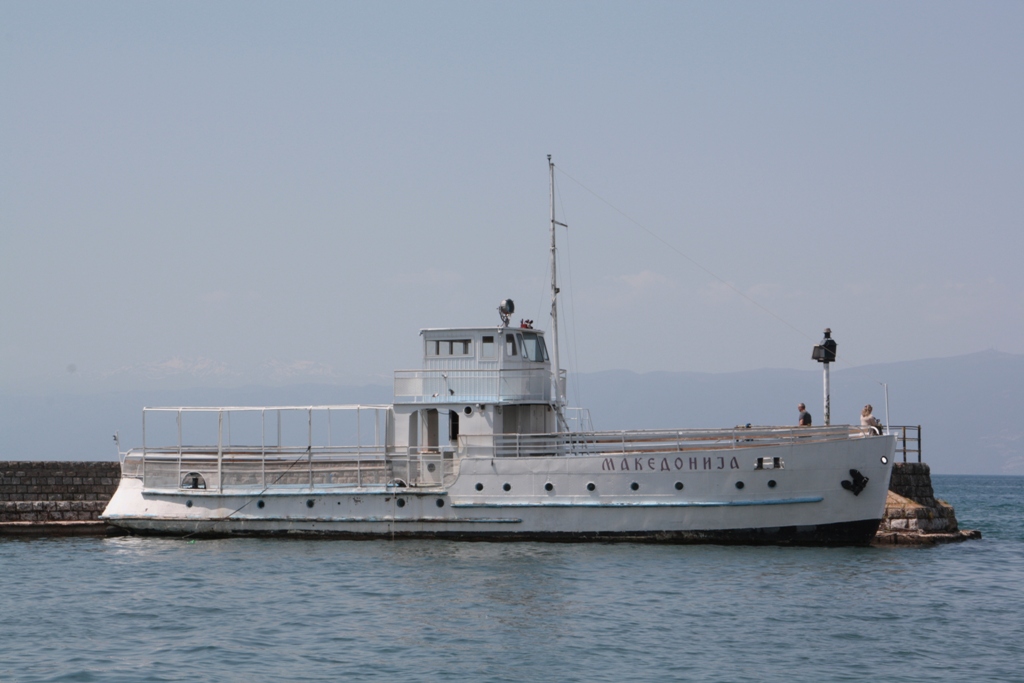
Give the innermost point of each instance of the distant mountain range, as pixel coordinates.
(970, 408)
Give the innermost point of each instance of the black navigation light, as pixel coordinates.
(825, 352)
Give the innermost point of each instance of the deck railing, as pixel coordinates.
(578, 419)
(278, 469)
(648, 442)
(253, 460)
(222, 462)
(908, 440)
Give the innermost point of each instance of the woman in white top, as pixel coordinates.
(869, 420)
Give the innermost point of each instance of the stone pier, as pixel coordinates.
(56, 498)
(913, 515)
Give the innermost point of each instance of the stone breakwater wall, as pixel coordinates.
(913, 480)
(913, 515)
(50, 492)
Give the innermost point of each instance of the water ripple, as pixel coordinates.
(238, 610)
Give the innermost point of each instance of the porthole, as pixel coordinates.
(479, 486)
(739, 484)
(467, 410)
(506, 487)
(440, 502)
(549, 486)
(431, 467)
(260, 504)
(885, 460)
(635, 486)
(309, 503)
(188, 503)
(679, 486)
(400, 502)
(771, 483)
(591, 486)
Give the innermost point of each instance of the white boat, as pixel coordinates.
(480, 445)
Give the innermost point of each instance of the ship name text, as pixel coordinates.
(716, 462)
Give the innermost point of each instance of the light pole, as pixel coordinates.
(825, 352)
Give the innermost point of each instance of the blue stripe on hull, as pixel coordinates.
(644, 504)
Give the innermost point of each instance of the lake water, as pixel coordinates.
(138, 609)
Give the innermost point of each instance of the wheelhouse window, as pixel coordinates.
(449, 347)
(510, 345)
(533, 347)
(487, 350)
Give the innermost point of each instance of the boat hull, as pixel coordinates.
(856, 533)
(692, 497)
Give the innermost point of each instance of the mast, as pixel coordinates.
(558, 382)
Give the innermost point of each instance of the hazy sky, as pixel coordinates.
(244, 192)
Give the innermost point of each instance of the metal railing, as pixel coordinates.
(206, 470)
(578, 419)
(648, 442)
(218, 462)
(472, 386)
(908, 440)
(424, 469)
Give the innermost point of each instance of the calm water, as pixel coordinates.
(261, 610)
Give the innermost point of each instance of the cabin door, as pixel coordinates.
(430, 425)
(429, 460)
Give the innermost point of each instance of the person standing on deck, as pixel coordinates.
(805, 418)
